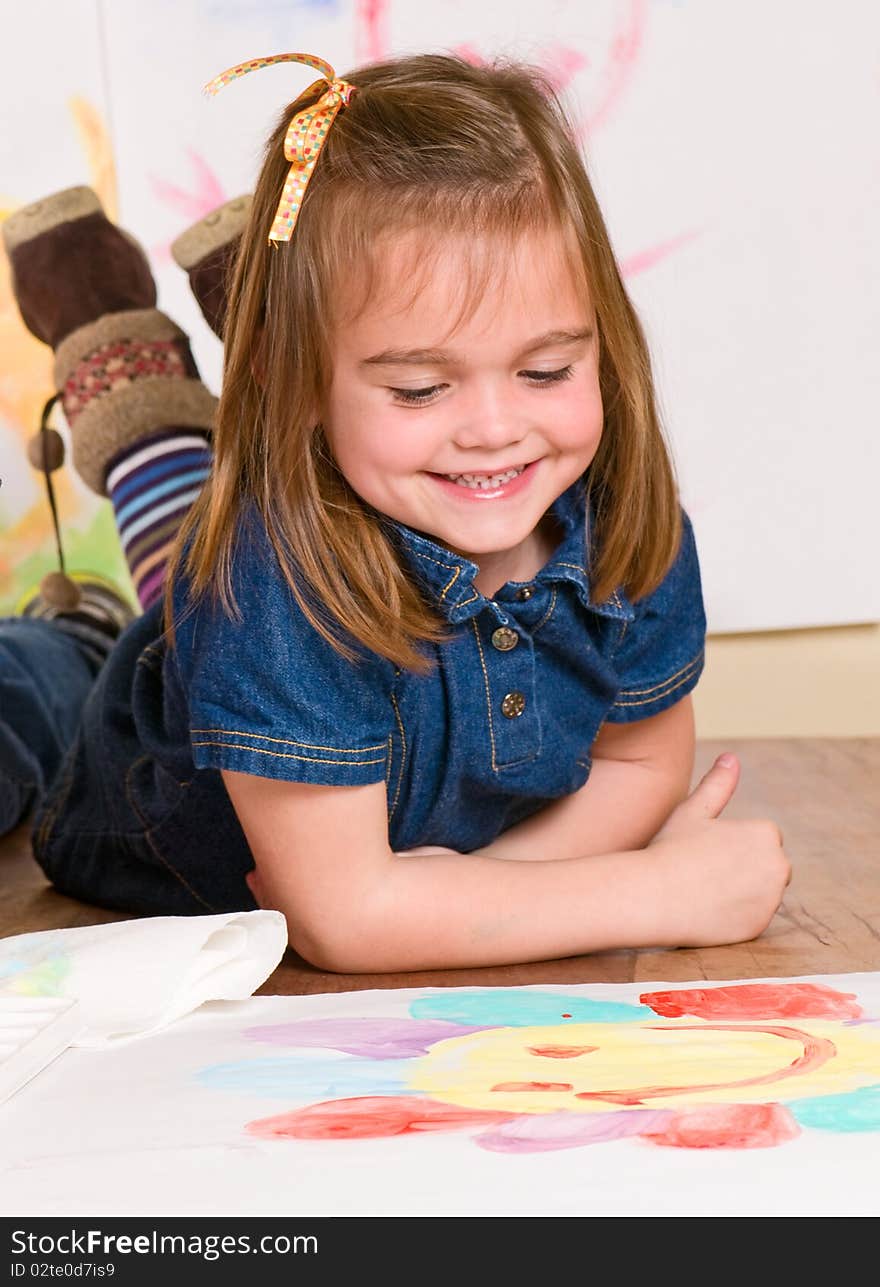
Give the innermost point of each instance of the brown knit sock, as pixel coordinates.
(206, 252)
(124, 370)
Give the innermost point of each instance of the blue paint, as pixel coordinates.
(857, 1110)
(295, 1078)
(37, 942)
(269, 10)
(518, 1008)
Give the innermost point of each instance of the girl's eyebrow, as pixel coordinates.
(443, 357)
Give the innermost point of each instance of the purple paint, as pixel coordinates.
(546, 1132)
(375, 1038)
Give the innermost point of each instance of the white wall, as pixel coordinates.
(733, 144)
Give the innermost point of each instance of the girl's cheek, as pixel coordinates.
(583, 423)
(386, 452)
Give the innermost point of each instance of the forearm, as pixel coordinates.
(451, 911)
(640, 772)
(622, 806)
(351, 905)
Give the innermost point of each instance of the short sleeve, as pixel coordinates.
(661, 655)
(267, 694)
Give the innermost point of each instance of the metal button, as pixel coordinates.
(512, 705)
(525, 592)
(504, 639)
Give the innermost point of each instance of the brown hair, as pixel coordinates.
(428, 142)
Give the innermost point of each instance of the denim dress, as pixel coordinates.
(501, 724)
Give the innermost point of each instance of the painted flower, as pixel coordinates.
(747, 1065)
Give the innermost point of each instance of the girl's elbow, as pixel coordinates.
(339, 946)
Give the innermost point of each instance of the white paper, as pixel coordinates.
(182, 1123)
(133, 977)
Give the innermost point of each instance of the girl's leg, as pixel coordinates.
(48, 663)
(45, 678)
(139, 415)
(139, 419)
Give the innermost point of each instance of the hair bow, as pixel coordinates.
(305, 135)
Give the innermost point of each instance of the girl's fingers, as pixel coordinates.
(710, 796)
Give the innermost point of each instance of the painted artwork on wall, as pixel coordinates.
(61, 137)
(703, 136)
(741, 1097)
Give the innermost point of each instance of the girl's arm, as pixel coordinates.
(640, 772)
(352, 905)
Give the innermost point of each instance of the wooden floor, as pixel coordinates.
(825, 795)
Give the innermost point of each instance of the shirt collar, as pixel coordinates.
(448, 579)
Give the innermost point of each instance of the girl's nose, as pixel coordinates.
(492, 420)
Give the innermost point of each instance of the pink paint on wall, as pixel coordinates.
(190, 204)
(651, 255)
(623, 55)
(193, 203)
(371, 30)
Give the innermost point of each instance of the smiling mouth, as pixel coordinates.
(481, 482)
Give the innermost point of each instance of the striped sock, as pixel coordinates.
(151, 489)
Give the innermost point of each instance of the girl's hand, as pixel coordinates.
(724, 878)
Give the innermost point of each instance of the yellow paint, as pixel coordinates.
(95, 142)
(26, 382)
(658, 1054)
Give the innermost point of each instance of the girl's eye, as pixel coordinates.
(417, 397)
(423, 397)
(549, 377)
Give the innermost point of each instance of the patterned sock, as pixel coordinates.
(151, 489)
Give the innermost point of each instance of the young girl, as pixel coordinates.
(436, 615)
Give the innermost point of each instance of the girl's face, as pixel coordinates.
(469, 434)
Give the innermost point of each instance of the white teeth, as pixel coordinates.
(484, 481)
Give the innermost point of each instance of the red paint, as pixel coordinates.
(560, 1052)
(623, 56)
(645, 259)
(562, 63)
(816, 1052)
(372, 1117)
(756, 1001)
(726, 1126)
(469, 53)
(533, 1085)
(371, 35)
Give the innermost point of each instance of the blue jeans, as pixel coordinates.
(45, 678)
(113, 823)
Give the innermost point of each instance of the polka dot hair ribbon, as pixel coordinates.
(306, 133)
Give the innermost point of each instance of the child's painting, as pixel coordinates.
(742, 1097)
